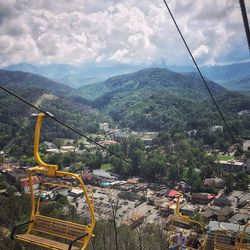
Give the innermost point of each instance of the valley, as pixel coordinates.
(160, 121)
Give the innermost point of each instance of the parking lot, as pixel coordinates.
(107, 203)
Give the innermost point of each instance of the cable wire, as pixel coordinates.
(202, 77)
(64, 124)
(245, 21)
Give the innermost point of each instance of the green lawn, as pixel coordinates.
(224, 157)
(106, 167)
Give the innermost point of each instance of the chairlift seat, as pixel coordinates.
(55, 227)
(50, 244)
(51, 227)
(221, 246)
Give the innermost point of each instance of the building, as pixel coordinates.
(217, 128)
(103, 127)
(232, 166)
(36, 180)
(214, 182)
(101, 174)
(178, 222)
(202, 198)
(172, 193)
(189, 209)
(246, 145)
(119, 136)
(214, 226)
(134, 220)
(76, 193)
(222, 202)
(164, 210)
(244, 112)
(52, 150)
(133, 181)
(223, 213)
(131, 196)
(183, 187)
(66, 149)
(218, 213)
(49, 145)
(240, 218)
(8, 167)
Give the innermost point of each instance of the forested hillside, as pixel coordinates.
(152, 99)
(16, 124)
(159, 99)
(240, 84)
(148, 79)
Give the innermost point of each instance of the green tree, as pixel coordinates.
(229, 182)
(242, 181)
(154, 166)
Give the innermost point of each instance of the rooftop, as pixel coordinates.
(233, 227)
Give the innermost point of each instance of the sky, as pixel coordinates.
(125, 31)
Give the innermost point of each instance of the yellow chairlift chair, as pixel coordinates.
(76, 234)
(227, 240)
(244, 243)
(224, 239)
(178, 217)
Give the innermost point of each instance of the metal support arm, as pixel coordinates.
(49, 168)
(20, 225)
(78, 238)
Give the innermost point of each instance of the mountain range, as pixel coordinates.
(74, 76)
(78, 76)
(149, 99)
(240, 84)
(16, 124)
(158, 98)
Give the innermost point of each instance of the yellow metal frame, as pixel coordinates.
(243, 235)
(52, 170)
(188, 220)
(239, 245)
(226, 232)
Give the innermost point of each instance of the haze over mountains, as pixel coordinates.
(233, 76)
(74, 76)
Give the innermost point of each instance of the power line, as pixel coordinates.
(202, 77)
(64, 124)
(245, 21)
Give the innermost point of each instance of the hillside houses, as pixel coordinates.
(201, 198)
(36, 180)
(234, 166)
(214, 182)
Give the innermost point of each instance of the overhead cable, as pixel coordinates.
(245, 21)
(202, 77)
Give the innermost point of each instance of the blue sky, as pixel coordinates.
(125, 31)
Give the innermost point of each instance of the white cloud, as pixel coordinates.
(201, 51)
(127, 31)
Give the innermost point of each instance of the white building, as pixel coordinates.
(66, 149)
(244, 112)
(246, 145)
(217, 128)
(104, 127)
